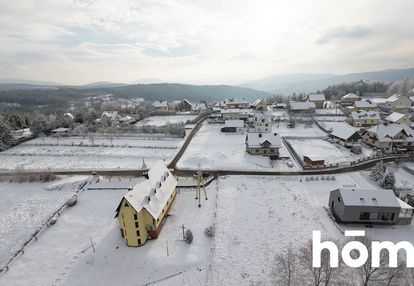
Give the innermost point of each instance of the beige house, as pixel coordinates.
(349, 99)
(399, 103)
(389, 137)
(259, 104)
(317, 99)
(266, 144)
(397, 117)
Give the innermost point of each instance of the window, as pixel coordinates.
(139, 241)
(364, 216)
(138, 234)
(126, 204)
(362, 200)
(374, 201)
(339, 199)
(136, 224)
(135, 217)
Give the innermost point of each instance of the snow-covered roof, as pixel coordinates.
(258, 139)
(364, 104)
(386, 133)
(259, 116)
(60, 129)
(404, 205)
(160, 103)
(394, 117)
(394, 97)
(153, 194)
(368, 197)
(257, 102)
(316, 97)
(343, 132)
(301, 105)
(198, 106)
(365, 115)
(70, 115)
(111, 115)
(350, 96)
(234, 123)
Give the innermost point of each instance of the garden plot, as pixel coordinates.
(24, 207)
(324, 150)
(211, 149)
(163, 120)
(300, 130)
(123, 153)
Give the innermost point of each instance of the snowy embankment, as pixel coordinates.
(163, 120)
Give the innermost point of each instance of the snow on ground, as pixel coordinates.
(331, 153)
(259, 216)
(162, 120)
(24, 207)
(300, 130)
(114, 263)
(127, 153)
(211, 149)
(48, 260)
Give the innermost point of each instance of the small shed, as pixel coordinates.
(313, 160)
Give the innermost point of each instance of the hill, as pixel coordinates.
(285, 84)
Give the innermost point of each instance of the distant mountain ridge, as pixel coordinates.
(286, 84)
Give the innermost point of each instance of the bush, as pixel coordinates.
(189, 236)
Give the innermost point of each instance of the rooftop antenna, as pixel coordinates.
(200, 185)
(144, 169)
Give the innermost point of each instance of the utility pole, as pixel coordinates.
(183, 228)
(200, 185)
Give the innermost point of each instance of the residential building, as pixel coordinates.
(389, 137)
(198, 107)
(259, 104)
(317, 99)
(399, 103)
(267, 144)
(233, 126)
(142, 211)
(361, 118)
(239, 104)
(161, 105)
(397, 117)
(186, 105)
(235, 114)
(373, 206)
(260, 122)
(345, 136)
(349, 99)
(109, 117)
(365, 105)
(302, 107)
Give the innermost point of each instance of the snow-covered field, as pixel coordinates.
(259, 217)
(300, 130)
(24, 207)
(211, 149)
(162, 120)
(48, 260)
(256, 218)
(124, 153)
(331, 153)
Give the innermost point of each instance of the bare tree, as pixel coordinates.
(91, 137)
(285, 267)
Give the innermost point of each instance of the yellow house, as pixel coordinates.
(143, 210)
(362, 118)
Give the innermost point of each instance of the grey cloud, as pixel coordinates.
(344, 33)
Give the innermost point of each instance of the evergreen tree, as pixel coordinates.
(6, 136)
(389, 181)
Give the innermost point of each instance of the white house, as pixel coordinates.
(109, 117)
(198, 107)
(261, 122)
(390, 136)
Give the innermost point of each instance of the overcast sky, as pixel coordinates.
(201, 41)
